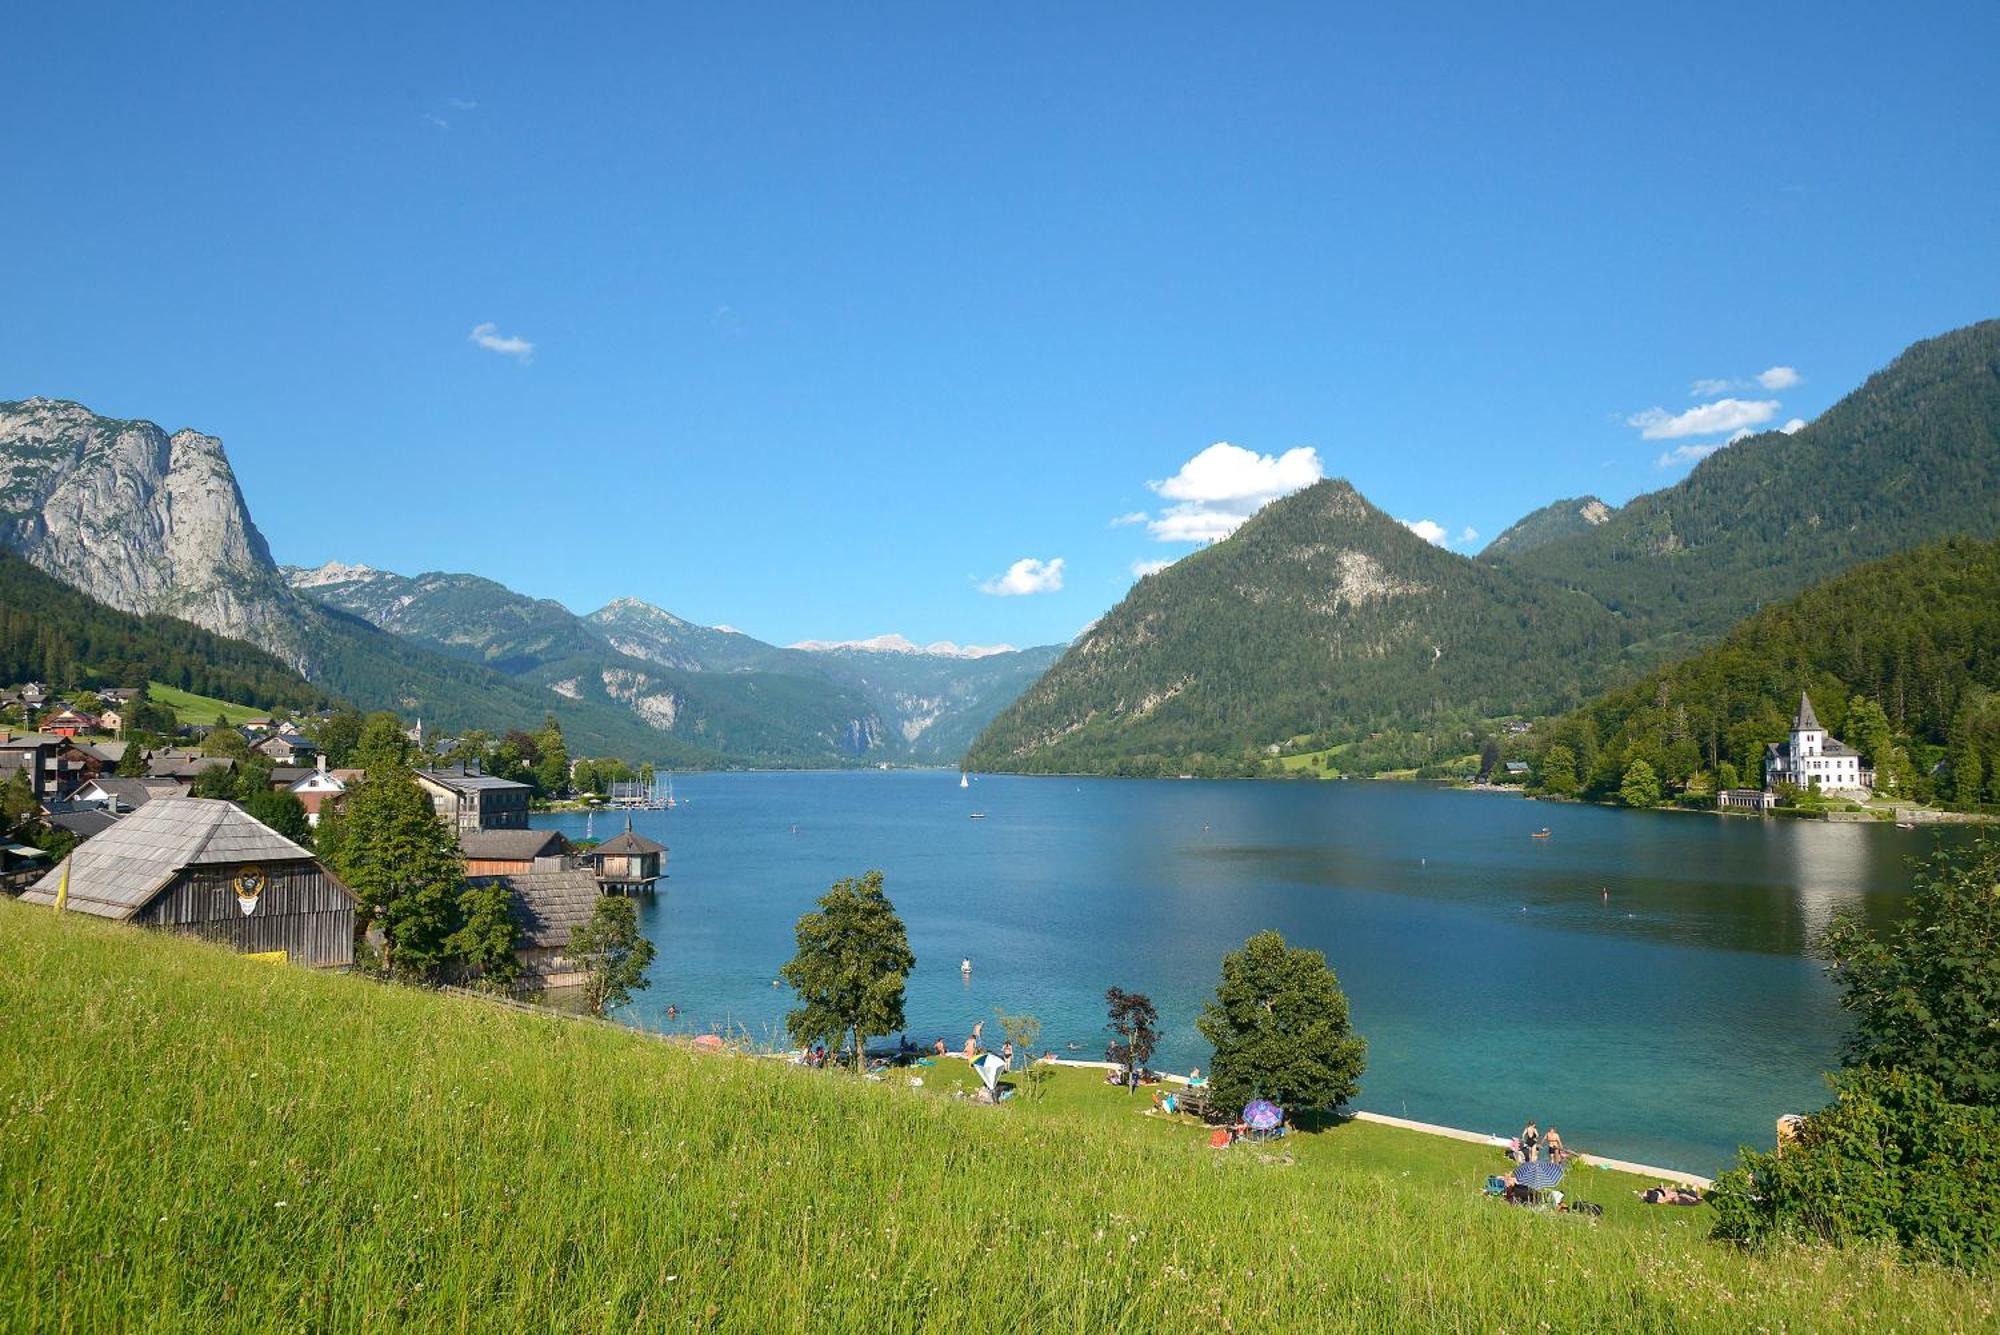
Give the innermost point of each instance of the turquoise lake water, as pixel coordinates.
(1491, 978)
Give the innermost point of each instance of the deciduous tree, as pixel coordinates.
(1133, 1020)
(853, 959)
(613, 952)
(1926, 996)
(1280, 1027)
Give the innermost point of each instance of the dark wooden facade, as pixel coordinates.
(302, 911)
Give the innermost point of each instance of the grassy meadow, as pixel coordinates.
(203, 709)
(190, 1140)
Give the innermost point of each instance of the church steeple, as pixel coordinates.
(1805, 718)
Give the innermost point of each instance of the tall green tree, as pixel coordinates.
(1867, 731)
(852, 962)
(489, 935)
(1640, 787)
(1557, 772)
(382, 743)
(1134, 1023)
(387, 843)
(613, 953)
(1926, 997)
(552, 764)
(1280, 1027)
(338, 736)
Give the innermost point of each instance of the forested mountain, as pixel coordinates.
(1321, 612)
(1538, 528)
(753, 717)
(1901, 658)
(1911, 456)
(717, 689)
(51, 633)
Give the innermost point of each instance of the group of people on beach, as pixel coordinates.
(1533, 1141)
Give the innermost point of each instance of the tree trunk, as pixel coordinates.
(859, 1043)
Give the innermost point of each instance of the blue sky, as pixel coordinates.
(840, 314)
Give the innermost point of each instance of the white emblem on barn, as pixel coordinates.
(249, 886)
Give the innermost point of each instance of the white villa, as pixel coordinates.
(1811, 759)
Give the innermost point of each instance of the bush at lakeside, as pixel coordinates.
(1890, 1161)
(194, 1141)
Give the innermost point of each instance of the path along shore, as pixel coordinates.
(1453, 1133)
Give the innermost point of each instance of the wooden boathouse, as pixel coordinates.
(206, 868)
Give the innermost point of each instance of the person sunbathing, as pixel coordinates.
(1668, 1194)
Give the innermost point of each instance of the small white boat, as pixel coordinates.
(978, 815)
(964, 780)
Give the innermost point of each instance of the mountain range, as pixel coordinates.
(1322, 616)
(154, 524)
(882, 699)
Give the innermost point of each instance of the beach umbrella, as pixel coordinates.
(1539, 1176)
(1262, 1115)
(989, 1068)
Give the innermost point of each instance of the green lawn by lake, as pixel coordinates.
(192, 1140)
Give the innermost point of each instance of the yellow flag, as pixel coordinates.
(62, 890)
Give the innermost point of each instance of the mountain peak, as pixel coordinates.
(1551, 523)
(901, 644)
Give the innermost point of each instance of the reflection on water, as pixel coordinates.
(1642, 979)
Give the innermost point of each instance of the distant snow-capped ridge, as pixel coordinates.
(333, 572)
(899, 644)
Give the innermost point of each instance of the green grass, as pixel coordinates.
(191, 708)
(189, 1140)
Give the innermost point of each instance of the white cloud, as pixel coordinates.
(461, 103)
(1428, 529)
(1689, 454)
(1467, 536)
(1132, 517)
(1710, 419)
(1793, 427)
(1778, 377)
(438, 121)
(488, 336)
(1026, 575)
(1214, 492)
(1141, 569)
(1708, 387)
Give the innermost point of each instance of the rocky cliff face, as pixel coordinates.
(142, 520)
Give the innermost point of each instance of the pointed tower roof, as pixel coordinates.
(1806, 718)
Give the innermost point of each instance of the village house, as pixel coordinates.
(208, 869)
(32, 754)
(1812, 759)
(470, 800)
(120, 795)
(111, 721)
(513, 852)
(287, 748)
(321, 789)
(184, 767)
(69, 723)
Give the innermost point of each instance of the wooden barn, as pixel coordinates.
(205, 868)
(548, 906)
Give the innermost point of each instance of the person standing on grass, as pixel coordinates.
(1552, 1145)
(1530, 1137)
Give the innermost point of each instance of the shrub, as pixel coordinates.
(1891, 1160)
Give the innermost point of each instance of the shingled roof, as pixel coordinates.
(510, 845)
(117, 873)
(1805, 718)
(548, 905)
(628, 843)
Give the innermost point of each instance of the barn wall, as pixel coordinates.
(303, 912)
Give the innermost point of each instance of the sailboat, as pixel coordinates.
(964, 780)
(590, 825)
(670, 792)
